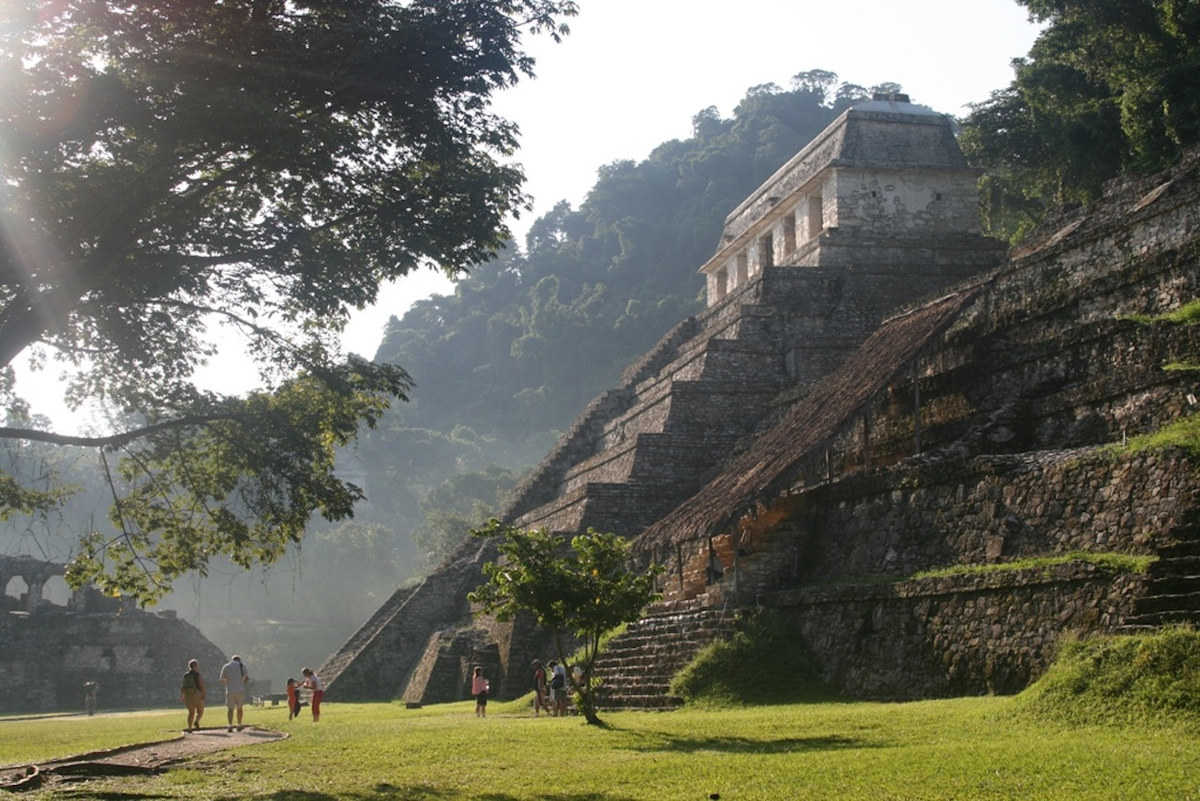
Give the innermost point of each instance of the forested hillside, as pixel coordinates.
(524, 343)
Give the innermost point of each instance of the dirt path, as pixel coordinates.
(135, 759)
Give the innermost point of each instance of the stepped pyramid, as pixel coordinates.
(878, 210)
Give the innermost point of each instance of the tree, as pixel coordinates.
(1106, 88)
(256, 163)
(581, 593)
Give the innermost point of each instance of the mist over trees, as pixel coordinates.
(528, 339)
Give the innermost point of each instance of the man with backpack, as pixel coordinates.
(191, 692)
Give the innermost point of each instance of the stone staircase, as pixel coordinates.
(334, 664)
(1172, 593)
(636, 668)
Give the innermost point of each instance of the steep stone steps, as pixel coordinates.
(1172, 593)
(636, 668)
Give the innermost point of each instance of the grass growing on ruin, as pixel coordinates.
(763, 663)
(1117, 563)
(1187, 314)
(1183, 433)
(1127, 680)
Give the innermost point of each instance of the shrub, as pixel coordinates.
(763, 663)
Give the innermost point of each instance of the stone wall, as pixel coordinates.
(377, 663)
(964, 635)
(910, 518)
(137, 658)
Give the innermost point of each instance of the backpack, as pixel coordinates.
(558, 682)
(189, 682)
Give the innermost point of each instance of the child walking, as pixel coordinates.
(479, 689)
(293, 698)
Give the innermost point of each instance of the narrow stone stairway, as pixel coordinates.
(636, 667)
(1172, 584)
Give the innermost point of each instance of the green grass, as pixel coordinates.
(1111, 562)
(763, 663)
(1183, 433)
(1115, 718)
(1124, 680)
(972, 748)
(1188, 314)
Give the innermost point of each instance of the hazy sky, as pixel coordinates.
(633, 73)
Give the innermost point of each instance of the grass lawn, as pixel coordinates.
(964, 748)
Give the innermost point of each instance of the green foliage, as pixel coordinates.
(1187, 314)
(1116, 563)
(582, 592)
(241, 482)
(1140, 679)
(266, 166)
(1107, 87)
(763, 663)
(1183, 433)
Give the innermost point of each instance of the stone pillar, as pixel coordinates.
(35, 592)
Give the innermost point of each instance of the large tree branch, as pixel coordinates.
(119, 439)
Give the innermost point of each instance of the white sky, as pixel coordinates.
(633, 73)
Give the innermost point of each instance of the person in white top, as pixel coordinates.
(235, 677)
(313, 682)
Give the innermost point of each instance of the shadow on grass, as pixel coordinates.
(423, 792)
(748, 745)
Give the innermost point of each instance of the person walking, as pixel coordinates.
(479, 689)
(235, 677)
(540, 690)
(313, 682)
(192, 693)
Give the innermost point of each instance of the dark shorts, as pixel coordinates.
(481, 699)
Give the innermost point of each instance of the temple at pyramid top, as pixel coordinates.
(887, 176)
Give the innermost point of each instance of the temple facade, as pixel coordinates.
(886, 171)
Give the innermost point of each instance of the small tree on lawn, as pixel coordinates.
(582, 592)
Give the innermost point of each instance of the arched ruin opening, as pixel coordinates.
(56, 591)
(17, 590)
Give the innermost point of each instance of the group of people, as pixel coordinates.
(311, 682)
(550, 693)
(236, 679)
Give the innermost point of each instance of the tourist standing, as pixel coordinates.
(90, 688)
(235, 677)
(479, 689)
(192, 693)
(540, 690)
(558, 686)
(313, 682)
(293, 698)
